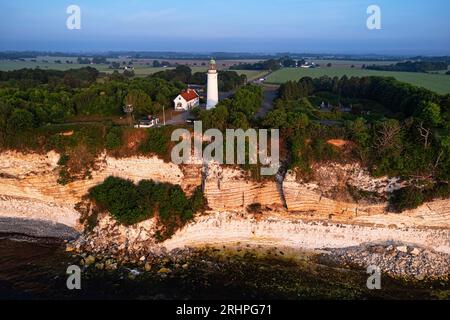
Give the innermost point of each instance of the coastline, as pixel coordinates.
(407, 253)
(313, 218)
(39, 229)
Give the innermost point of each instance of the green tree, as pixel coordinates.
(239, 121)
(140, 101)
(276, 119)
(359, 133)
(20, 120)
(5, 112)
(431, 114)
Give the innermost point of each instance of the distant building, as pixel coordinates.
(187, 100)
(308, 65)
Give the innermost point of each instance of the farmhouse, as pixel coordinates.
(187, 100)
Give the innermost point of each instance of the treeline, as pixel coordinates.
(228, 80)
(271, 64)
(396, 96)
(412, 66)
(73, 78)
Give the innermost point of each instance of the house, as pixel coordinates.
(187, 100)
(308, 65)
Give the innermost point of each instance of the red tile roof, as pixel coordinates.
(189, 95)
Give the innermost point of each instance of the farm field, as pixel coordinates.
(439, 83)
(6, 65)
(141, 68)
(349, 63)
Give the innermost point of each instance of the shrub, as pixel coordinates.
(441, 190)
(63, 160)
(129, 203)
(157, 142)
(407, 198)
(114, 138)
(198, 200)
(121, 198)
(254, 208)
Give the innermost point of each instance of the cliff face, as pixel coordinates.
(29, 189)
(231, 189)
(329, 192)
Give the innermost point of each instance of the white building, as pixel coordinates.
(187, 100)
(212, 98)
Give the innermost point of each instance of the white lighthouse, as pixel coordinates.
(213, 86)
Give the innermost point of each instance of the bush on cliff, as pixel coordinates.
(157, 142)
(122, 199)
(114, 138)
(407, 198)
(412, 197)
(129, 203)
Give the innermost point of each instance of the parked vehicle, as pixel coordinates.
(148, 122)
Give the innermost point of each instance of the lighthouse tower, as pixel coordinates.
(213, 86)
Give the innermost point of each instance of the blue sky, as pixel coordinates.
(321, 26)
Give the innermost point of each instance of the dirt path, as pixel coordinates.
(270, 94)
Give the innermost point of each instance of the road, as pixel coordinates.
(270, 94)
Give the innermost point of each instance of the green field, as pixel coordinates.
(439, 83)
(349, 63)
(141, 70)
(6, 65)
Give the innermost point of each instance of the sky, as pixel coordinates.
(304, 26)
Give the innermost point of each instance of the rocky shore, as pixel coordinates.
(407, 254)
(395, 260)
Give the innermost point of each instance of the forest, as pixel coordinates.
(408, 138)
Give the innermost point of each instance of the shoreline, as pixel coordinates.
(399, 252)
(37, 229)
(397, 259)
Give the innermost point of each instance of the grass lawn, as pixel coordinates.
(436, 82)
(252, 74)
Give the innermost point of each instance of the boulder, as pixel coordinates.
(89, 260)
(402, 249)
(100, 266)
(164, 271)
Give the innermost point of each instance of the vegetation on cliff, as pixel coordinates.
(131, 203)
